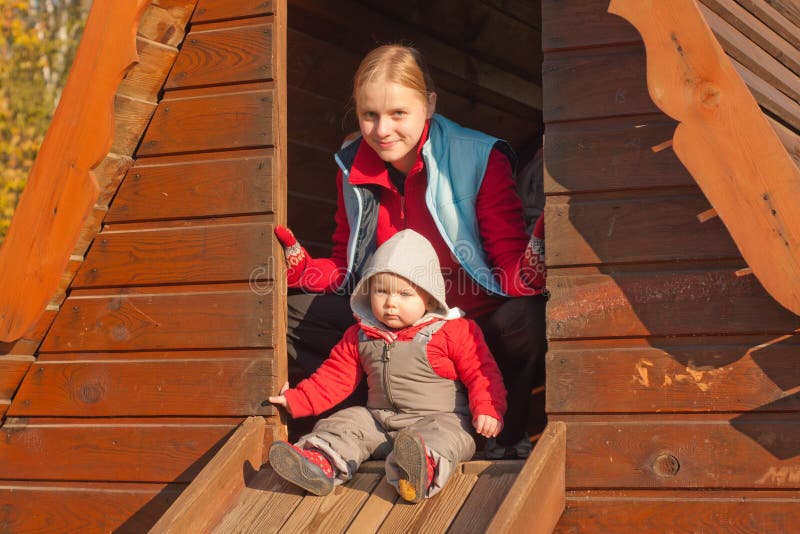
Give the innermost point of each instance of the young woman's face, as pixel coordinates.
(395, 301)
(391, 118)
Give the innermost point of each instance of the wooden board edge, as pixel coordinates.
(206, 500)
(540, 489)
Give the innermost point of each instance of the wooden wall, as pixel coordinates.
(676, 375)
(485, 61)
(166, 339)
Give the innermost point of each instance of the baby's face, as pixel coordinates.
(395, 301)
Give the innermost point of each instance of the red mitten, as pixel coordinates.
(296, 256)
(533, 267)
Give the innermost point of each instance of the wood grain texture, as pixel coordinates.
(215, 488)
(131, 117)
(539, 488)
(83, 507)
(570, 24)
(103, 388)
(165, 21)
(697, 376)
(630, 229)
(713, 301)
(766, 12)
(61, 190)
(212, 122)
(632, 512)
(207, 186)
(230, 55)
(193, 254)
(212, 10)
(184, 318)
(12, 369)
(144, 81)
(109, 450)
(755, 451)
(375, 509)
(754, 165)
(611, 154)
(617, 86)
(770, 98)
(109, 175)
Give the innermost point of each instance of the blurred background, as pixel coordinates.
(39, 40)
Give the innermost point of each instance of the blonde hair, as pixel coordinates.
(400, 64)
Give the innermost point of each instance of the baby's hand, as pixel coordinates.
(487, 426)
(280, 399)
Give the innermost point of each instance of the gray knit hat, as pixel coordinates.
(411, 256)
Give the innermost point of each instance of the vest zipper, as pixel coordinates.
(387, 359)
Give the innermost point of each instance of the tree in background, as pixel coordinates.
(38, 40)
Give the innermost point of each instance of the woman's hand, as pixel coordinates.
(296, 256)
(487, 426)
(280, 399)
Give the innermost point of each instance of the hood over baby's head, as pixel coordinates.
(411, 256)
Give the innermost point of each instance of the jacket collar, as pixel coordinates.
(368, 168)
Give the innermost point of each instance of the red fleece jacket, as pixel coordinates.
(457, 351)
(500, 222)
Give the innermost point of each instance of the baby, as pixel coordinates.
(430, 375)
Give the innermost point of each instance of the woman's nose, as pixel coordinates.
(382, 127)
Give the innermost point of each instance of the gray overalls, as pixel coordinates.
(404, 391)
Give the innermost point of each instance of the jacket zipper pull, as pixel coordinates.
(386, 352)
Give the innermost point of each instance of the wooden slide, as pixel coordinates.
(236, 493)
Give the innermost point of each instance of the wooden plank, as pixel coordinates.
(787, 8)
(229, 55)
(316, 18)
(789, 139)
(611, 154)
(144, 81)
(91, 227)
(202, 253)
(489, 491)
(713, 301)
(774, 19)
(109, 450)
(109, 175)
(67, 276)
(263, 505)
(12, 369)
(83, 507)
(333, 512)
(758, 32)
(632, 512)
(629, 229)
(165, 21)
(486, 34)
(756, 451)
(375, 509)
(185, 318)
(4, 404)
(211, 10)
(527, 11)
(131, 118)
(231, 184)
(757, 61)
(207, 499)
(432, 515)
(319, 228)
(570, 24)
(104, 388)
(605, 82)
(60, 190)
(313, 172)
(216, 122)
(689, 72)
(768, 97)
(539, 489)
(690, 377)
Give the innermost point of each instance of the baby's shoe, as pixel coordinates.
(310, 469)
(495, 451)
(416, 465)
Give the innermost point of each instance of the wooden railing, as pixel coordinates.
(724, 140)
(61, 188)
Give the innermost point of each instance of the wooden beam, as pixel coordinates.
(724, 140)
(536, 500)
(207, 499)
(61, 188)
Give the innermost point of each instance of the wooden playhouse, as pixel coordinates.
(142, 310)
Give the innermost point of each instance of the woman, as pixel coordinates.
(412, 168)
